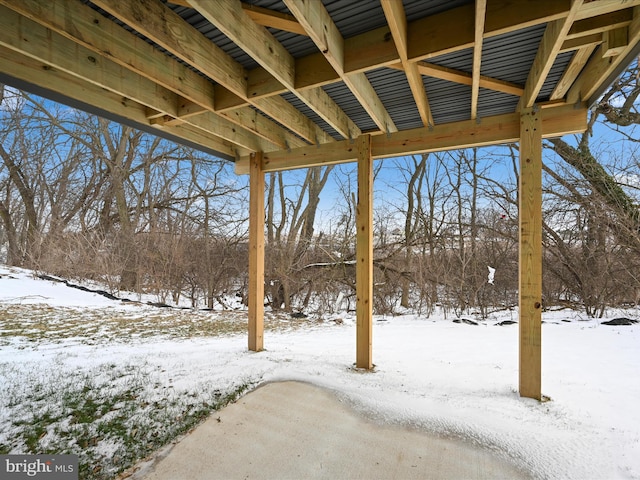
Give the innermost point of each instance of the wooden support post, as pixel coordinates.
(530, 275)
(256, 253)
(364, 254)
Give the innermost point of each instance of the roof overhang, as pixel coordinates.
(300, 81)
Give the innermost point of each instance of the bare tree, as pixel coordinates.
(619, 106)
(290, 217)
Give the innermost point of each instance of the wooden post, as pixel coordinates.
(364, 254)
(530, 274)
(256, 253)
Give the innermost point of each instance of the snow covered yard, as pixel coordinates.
(112, 382)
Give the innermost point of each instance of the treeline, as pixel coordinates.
(86, 199)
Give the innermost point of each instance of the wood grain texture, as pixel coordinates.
(364, 255)
(530, 272)
(256, 254)
(556, 121)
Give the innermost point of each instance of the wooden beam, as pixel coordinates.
(244, 137)
(369, 51)
(615, 42)
(433, 36)
(426, 38)
(257, 42)
(106, 38)
(312, 71)
(481, 10)
(322, 104)
(41, 75)
(256, 253)
(93, 31)
(465, 78)
(231, 19)
(397, 20)
(552, 40)
(161, 25)
(603, 7)
(530, 270)
(578, 43)
(364, 255)
(317, 22)
(601, 23)
(556, 121)
(599, 67)
(277, 107)
(29, 38)
(187, 108)
(319, 26)
(194, 94)
(364, 92)
(419, 93)
(577, 63)
(273, 19)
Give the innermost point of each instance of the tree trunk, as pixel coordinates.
(13, 251)
(27, 195)
(628, 216)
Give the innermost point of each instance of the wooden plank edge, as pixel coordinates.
(556, 121)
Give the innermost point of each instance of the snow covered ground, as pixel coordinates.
(453, 379)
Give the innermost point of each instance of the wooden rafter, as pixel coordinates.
(31, 39)
(371, 50)
(189, 45)
(181, 3)
(615, 42)
(464, 78)
(255, 40)
(318, 24)
(432, 36)
(578, 43)
(277, 20)
(552, 40)
(603, 7)
(397, 20)
(109, 41)
(263, 16)
(481, 10)
(601, 23)
(578, 61)
(30, 70)
(599, 68)
(427, 38)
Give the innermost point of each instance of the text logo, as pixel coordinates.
(39, 467)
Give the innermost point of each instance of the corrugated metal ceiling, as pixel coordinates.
(506, 57)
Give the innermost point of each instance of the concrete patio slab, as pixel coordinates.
(293, 430)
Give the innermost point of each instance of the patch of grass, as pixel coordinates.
(31, 324)
(109, 417)
(113, 414)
